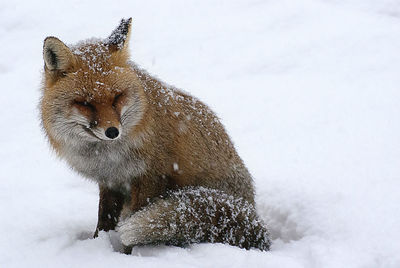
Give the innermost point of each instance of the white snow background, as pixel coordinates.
(309, 91)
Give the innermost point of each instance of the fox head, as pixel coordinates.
(90, 92)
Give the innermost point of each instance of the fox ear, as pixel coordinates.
(119, 38)
(57, 56)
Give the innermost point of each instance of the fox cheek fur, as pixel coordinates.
(166, 168)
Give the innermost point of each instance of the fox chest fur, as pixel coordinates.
(109, 164)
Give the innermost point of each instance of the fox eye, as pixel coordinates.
(116, 99)
(83, 104)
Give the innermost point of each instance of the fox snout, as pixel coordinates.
(99, 120)
(110, 133)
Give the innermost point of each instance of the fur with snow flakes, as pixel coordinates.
(193, 215)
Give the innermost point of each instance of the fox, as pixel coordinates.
(167, 171)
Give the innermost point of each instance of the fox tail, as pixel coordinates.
(194, 215)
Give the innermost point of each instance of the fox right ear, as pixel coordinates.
(57, 56)
(118, 40)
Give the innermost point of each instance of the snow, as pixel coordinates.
(308, 90)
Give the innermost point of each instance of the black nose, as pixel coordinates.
(112, 132)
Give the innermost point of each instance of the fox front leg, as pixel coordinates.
(110, 205)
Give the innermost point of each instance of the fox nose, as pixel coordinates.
(112, 132)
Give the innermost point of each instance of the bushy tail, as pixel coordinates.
(194, 215)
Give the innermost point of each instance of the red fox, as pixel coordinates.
(167, 170)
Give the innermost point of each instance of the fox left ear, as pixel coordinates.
(119, 38)
(57, 56)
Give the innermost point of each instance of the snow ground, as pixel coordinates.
(308, 90)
